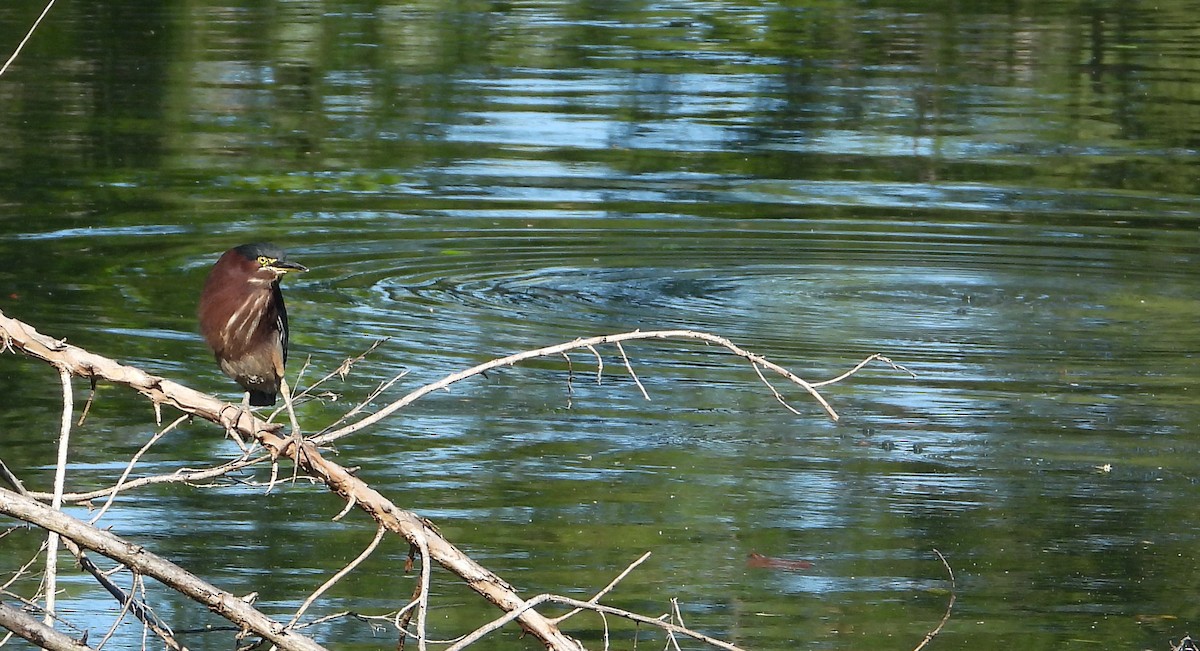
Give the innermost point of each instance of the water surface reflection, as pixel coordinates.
(1003, 202)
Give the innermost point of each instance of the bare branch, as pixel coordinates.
(338, 576)
(308, 459)
(949, 606)
(50, 578)
(139, 609)
(608, 588)
(558, 349)
(304, 454)
(183, 476)
(28, 35)
(383, 386)
(140, 560)
(599, 364)
(132, 462)
(570, 379)
(36, 632)
(859, 366)
(774, 391)
(342, 370)
(599, 608)
(629, 367)
(423, 598)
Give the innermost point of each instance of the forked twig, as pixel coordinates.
(416, 530)
(608, 588)
(599, 608)
(774, 391)
(342, 370)
(183, 475)
(591, 343)
(375, 393)
(859, 366)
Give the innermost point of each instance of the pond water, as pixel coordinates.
(1001, 197)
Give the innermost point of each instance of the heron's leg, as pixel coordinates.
(287, 401)
(233, 433)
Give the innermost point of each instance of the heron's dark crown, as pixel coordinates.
(254, 250)
(260, 259)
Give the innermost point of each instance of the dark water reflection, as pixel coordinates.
(1001, 199)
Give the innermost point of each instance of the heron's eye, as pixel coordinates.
(264, 261)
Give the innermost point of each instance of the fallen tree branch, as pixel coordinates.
(128, 603)
(599, 608)
(590, 343)
(139, 560)
(418, 531)
(39, 634)
(16, 335)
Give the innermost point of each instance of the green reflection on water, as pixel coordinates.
(1000, 197)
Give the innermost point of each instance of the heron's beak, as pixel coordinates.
(283, 266)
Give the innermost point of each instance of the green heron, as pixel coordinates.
(243, 319)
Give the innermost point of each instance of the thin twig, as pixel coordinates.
(347, 430)
(949, 606)
(608, 588)
(342, 370)
(21, 571)
(60, 480)
(599, 608)
(423, 600)
(132, 462)
(403, 616)
(859, 366)
(183, 475)
(599, 364)
(133, 589)
(87, 406)
(351, 502)
(629, 367)
(383, 386)
(676, 618)
(12, 479)
(28, 34)
(774, 391)
(338, 576)
(570, 379)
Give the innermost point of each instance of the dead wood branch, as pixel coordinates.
(28, 35)
(598, 608)
(949, 605)
(16, 335)
(141, 561)
(39, 634)
(757, 361)
(608, 588)
(418, 531)
(337, 577)
(128, 603)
